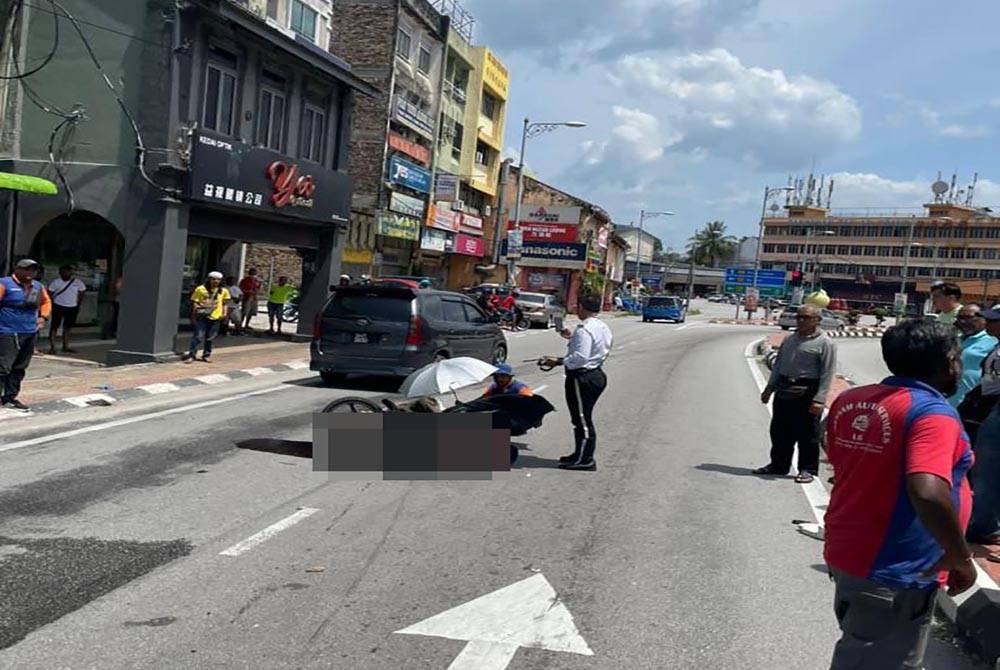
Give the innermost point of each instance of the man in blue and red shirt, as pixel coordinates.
(895, 525)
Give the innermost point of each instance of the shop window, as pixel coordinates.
(220, 92)
(313, 126)
(304, 20)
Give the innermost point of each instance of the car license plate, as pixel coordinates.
(361, 338)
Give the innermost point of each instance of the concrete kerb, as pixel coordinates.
(975, 613)
(109, 397)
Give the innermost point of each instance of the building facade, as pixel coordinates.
(229, 124)
(865, 258)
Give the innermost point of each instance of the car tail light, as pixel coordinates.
(317, 334)
(415, 336)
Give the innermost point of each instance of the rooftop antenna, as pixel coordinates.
(939, 188)
(972, 189)
(951, 193)
(829, 194)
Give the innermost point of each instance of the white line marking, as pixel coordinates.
(269, 532)
(10, 414)
(297, 365)
(84, 400)
(136, 419)
(159, 389)
(213, 379)
(819, 499)
(257, 372)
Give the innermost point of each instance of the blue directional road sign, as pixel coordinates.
(770, 282)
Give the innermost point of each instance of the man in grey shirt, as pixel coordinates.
(800, 381)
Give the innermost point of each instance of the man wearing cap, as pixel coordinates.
(209, 308)
(24, 308)
(505, 384)
(588, 348)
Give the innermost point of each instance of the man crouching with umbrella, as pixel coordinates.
(505, 384)
(588, 348)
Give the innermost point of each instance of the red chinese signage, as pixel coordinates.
(289, 187)
(411, 149)
(468, 245)
(546, 232)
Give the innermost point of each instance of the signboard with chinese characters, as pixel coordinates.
(473, 225)
(399, 226)
(468, 245)
(550, 214)
(546, 232)
(444, 219)
(228, 173)
(411, 149)
(409, 174)
(404, 204)
(551, 255)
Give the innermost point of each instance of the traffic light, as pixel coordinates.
(796, 277)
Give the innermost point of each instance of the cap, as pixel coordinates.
(591, 303)
(991, 314)
(27, 263)
(215, 275)
(505, 369)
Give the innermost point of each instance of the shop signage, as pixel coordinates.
(356, 256)
(444, 219)
(551, 255)
(433, 240)
(231, 174)
(413, 116)
(552, 214)
(468, 245)
(409, 174)
(472, 225)
(399, 226)
(546, 232)
(446, 187)
(602, 238)
(404, 204)
(411, 149)
(546, 281)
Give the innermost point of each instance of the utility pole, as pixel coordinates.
(690, 291)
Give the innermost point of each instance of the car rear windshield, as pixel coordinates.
(663, 302)
(375, 307)
(533, 298)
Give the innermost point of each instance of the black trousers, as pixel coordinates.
(15, 355)
(583, 388)
(792, 423)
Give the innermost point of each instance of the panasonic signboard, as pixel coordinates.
(551, 255)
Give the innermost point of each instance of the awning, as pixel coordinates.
(22, 182)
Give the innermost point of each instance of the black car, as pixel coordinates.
(391, 330)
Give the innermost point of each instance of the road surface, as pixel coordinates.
(146, 539)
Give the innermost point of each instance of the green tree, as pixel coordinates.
(711, 244)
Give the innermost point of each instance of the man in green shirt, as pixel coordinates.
(946, 297)
(278, 295)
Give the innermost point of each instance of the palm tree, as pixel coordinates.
(711, 244)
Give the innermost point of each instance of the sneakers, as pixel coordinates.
(14, 403)
(591, 466)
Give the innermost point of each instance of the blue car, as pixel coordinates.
(665, 308)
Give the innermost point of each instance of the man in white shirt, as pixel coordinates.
(588, 348)
(66, 293)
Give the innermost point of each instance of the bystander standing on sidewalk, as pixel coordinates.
(66, 293)
(984, 527)
(277, 297)
(250, 286)
(24, 308)
(976, 346)
(800, 381)
(895, 523)
(946, 299)
(209, 307)
(235, 319)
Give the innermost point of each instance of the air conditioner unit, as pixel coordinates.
(488, 210)
(458, 206)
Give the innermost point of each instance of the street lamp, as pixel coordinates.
(768, 194)
(530, 130)
(811, 232)
(643, 215)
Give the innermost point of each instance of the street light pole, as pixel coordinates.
(768, 192)
(643, 215)
(529, 130)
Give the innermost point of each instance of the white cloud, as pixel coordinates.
(713, 102)
(909, 111)
(859, 189)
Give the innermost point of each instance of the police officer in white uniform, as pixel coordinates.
(588, 348)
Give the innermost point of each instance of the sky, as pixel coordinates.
(695, 106)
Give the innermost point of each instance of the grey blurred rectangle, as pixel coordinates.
(407, 446)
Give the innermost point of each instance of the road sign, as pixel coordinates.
(765, 278)
(899, 303)
(763, 291)
(527, 613)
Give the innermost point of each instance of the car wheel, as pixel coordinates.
(499, 355)
(333, 378)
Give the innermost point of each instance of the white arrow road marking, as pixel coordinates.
(269, 532)
(527, 613)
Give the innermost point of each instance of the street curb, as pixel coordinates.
(106, 398)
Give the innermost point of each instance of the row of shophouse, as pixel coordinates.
(302, 137)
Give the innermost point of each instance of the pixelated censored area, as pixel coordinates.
(399, 445)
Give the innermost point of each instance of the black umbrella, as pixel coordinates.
(522, 412)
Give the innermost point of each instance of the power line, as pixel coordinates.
(98, 26)
(14, 29)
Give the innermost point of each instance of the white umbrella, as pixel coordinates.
(446, 375)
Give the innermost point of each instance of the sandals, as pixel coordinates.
(804, 478)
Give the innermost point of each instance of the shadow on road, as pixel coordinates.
(298, 448)
(731, 470)
(534, 462)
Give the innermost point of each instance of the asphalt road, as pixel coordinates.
(123, 540)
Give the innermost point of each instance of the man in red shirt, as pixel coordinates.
(895, 526)
(250, 286)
